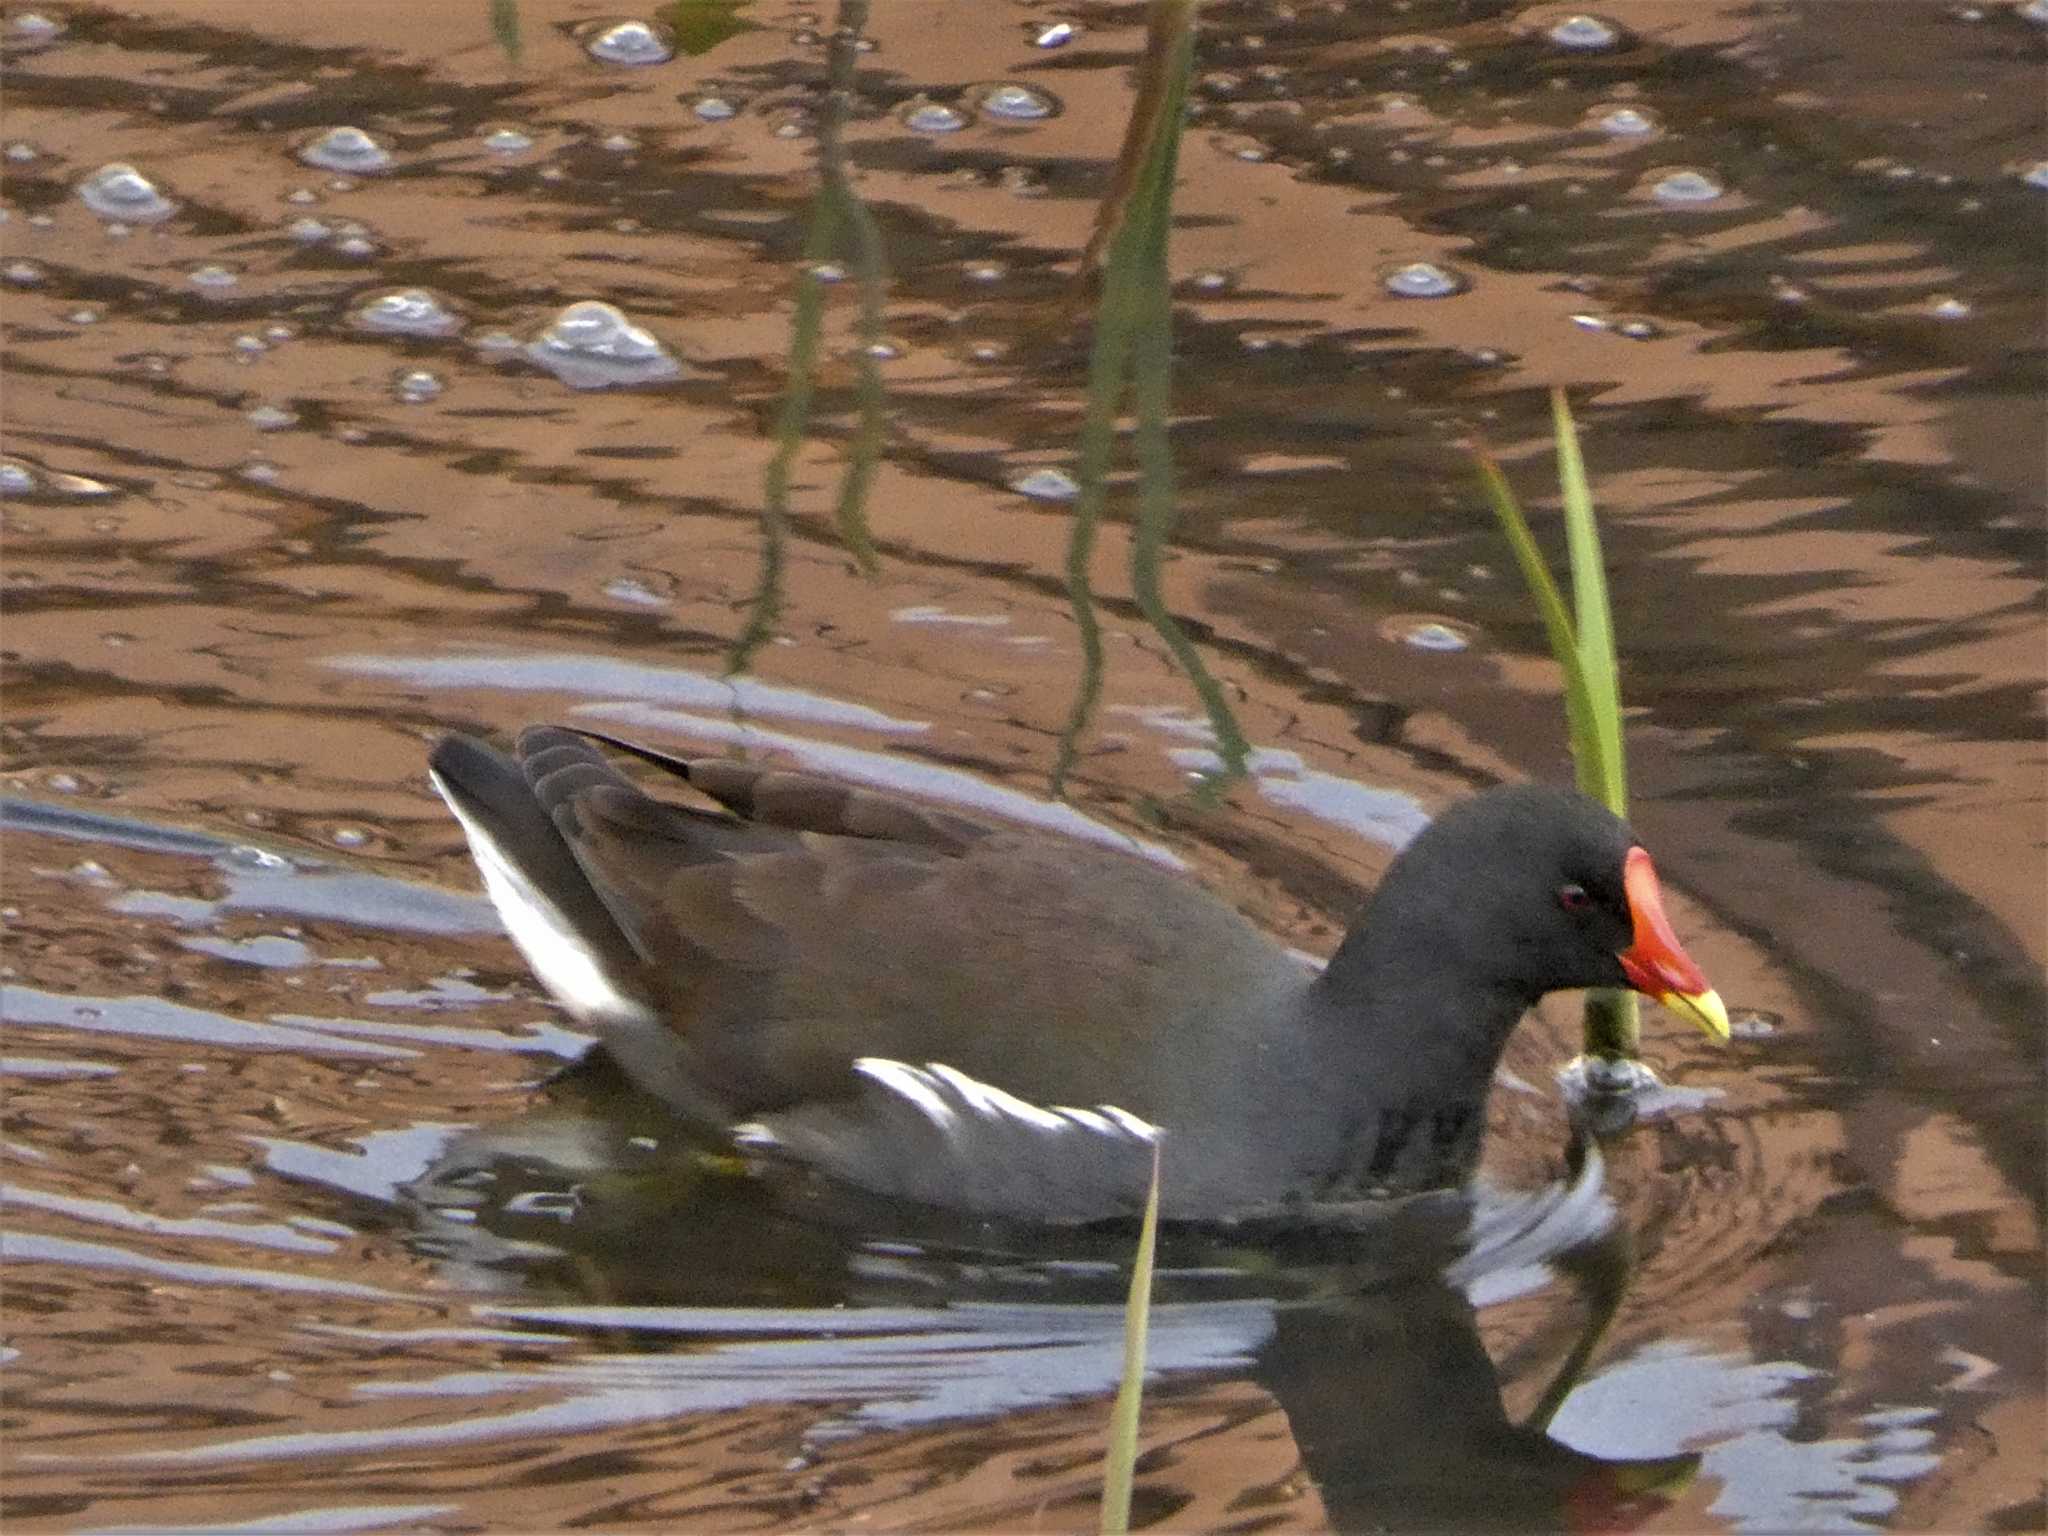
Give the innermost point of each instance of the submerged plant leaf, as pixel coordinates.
(1133, 349)
(871, 278)
(1138, 276)
(701, 25)
(1156, 115)
(1120, 1460)
(835, 209)
(505, 27)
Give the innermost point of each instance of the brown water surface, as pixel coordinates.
(297, 1235)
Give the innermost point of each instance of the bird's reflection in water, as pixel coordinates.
(751, 1291)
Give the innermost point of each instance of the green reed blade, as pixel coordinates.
(1120, 1460)
(1557, 620)
(1583, 644)
(1594, 619)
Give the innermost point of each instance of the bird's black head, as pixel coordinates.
(1527, 889)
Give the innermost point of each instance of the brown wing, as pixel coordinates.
(829, 960)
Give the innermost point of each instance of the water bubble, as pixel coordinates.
(882, 351)
(619, 143)
(1425, 634)
(1585, 34)
(356, 247)
(34, 27)
(86, 315)
(119, 191)
(16, 479)
(933, 117)
(271, 418)
(985, 272)
(1212, 280)
(632, 43)
(346, 149)
(213, 277)
(1060, 33)
(1754, 1023)
(1419, 43)
(825, 272)
(415, 386)
(262, 471)
(507, 141)
(1046, 485)
(1638, 330)
(714, 109)
(1686, 186)
(631, 589)
(76, 487)
(1623, 121)
(2034, 173)
(249, 348)
(307, 231)
(1013, 103)
(1947, 308)
(407, 312)
(350, 837)
(20, 152)
(592, 345)
(1423, 280)
(23, 274)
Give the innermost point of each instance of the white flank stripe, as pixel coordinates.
(906, 1082)
(935, 1088)
(991, 1103)
(1132, 1125)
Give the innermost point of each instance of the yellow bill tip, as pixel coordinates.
(1704, 1008)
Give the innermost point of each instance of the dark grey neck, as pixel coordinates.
(1407, 1055)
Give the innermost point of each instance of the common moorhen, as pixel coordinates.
(1000, 1021)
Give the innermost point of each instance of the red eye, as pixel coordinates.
(1573, 898)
